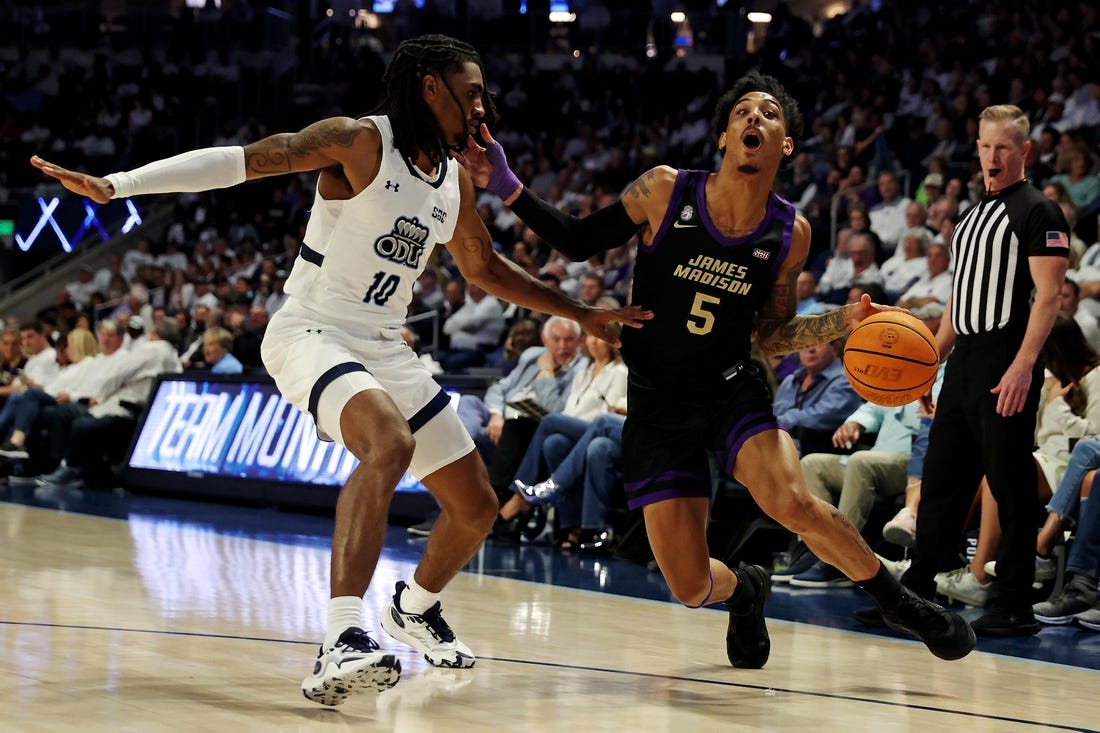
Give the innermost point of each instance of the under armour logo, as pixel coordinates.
(394, 186)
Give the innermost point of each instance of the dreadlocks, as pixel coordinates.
(414, 125)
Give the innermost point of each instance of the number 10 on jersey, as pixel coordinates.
(384, 285)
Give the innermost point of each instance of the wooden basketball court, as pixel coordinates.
(150, 623)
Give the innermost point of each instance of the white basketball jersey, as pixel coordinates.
(362, 255)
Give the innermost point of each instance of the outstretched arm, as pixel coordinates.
(780, 331)
(577, 238)
(331, 142)
(479, 263)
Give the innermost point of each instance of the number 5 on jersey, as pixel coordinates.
(382, 288)
(699, 311)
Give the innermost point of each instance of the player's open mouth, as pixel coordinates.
(752, 140)
(994, 172)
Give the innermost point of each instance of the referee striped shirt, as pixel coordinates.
(990, 248)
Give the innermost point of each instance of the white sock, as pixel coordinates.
(415, 599)
(343, 613)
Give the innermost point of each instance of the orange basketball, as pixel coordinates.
(891, 358)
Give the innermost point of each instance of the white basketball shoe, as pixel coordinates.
(352, 664)
(427, 633)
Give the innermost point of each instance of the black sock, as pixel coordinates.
(883, 587)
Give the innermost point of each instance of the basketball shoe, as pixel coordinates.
(944, 632)
(427, 633)
(353, 663)
(747, 643)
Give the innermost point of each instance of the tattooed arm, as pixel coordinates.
(472, 249)
(779, 330)
(338, 144)
(355, 145)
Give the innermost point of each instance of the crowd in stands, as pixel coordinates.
(889, 163)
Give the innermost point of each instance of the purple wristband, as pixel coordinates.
(502, 181)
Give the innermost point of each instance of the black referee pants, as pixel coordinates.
(969, 439)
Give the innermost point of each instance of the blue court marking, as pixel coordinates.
(603, 670)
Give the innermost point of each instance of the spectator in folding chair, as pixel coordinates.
(80, 441)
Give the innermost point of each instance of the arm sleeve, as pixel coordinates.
(576, 238)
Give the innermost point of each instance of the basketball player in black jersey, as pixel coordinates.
(719, 257)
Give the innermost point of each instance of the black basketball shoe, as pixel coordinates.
(747, 641)
(945, 633)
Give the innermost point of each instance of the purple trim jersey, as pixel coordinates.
(704, 289)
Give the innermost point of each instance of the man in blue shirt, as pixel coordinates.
(813, 401)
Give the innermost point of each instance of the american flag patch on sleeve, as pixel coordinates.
(1057, 239)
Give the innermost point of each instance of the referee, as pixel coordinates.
(1010, 253)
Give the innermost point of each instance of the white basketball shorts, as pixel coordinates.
(319, 368)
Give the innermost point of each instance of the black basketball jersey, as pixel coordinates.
(704, 289)
(990, 248)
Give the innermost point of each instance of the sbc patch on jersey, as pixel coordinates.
(762, 254)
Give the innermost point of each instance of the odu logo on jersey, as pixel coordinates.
(405, 244)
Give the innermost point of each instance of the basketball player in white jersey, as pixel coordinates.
(387, 193)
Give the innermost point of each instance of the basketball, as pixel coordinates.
(891, 358)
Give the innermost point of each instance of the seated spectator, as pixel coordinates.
(598, 388)
(83, 441)
(523, 334)
(540, 380)
(40, 365)
(858, 268)
(908, 264)
(806, 292)
(112, 270)
(246, 343)
(583, 481)
(474, 330)
(135, 332)
(1078, 599)
(812, 402)
(853, 481)
(80, 290)
(1065, 503)
(11, 363)
(1070, 299)
(935, 285)
(591, 289)
(87, 368)
(888, 215)
(1080, 183)
(217, 352)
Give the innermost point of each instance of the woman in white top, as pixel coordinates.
(598, 389)
(78, 348)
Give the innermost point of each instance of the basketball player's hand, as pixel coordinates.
(864, 308)
(488, 166)
(473, 159)
(93, 187)
(1012, 390)
(598, 321)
